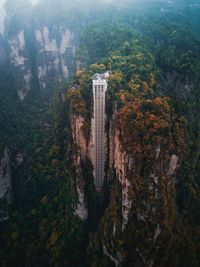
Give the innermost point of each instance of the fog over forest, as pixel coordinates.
(3, 13)
(88, 2)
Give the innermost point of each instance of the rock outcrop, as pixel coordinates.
(21, 63)
(3, 52)
(142, 200)
(175, 83)
(82, 153)
(54, 58)
(5, 185)
(56, 53)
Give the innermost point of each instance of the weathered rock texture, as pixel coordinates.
(54, 56)
(82, 153)
(142, 210)
(3, 52)
(20, 61)
(56, 53)
(5, 184)
(178, 84)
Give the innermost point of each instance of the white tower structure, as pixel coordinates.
(99, 140)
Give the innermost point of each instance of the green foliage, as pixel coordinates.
(148, 120)
(42, 228)
(141, 48)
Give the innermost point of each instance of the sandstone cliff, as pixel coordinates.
(142, 211)
(82, 153)
(54, 57)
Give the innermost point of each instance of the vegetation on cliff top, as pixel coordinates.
(150, 116)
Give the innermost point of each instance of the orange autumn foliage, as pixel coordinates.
(123, 97)
(145, 87)
(144, 128)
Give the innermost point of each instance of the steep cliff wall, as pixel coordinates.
(142, 212)
(181, 85)
(3, 52)
(145, 149)
(5, 184)
(83, 150)
(56, 53)
(141, 203)
(21, 64)
(54, 56)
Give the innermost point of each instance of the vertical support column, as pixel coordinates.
(99, 90)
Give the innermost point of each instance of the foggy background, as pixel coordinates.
(13, 3)
(3, 13)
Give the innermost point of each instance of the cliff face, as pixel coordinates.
(145, 151)
(141, 216)
(141, 201)
(82, 154)
(3, 52)
(178, 84)
(5, 184)
(54, 58)
(56, 53)
(20, 62)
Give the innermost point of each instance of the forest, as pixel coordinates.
(152, 51)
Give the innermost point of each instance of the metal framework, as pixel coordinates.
(99, 90)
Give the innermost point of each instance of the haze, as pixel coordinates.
(3, 13)
(83, 2)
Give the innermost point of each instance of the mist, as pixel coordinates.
(3, 12)
(24, 5)
(2, 15)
